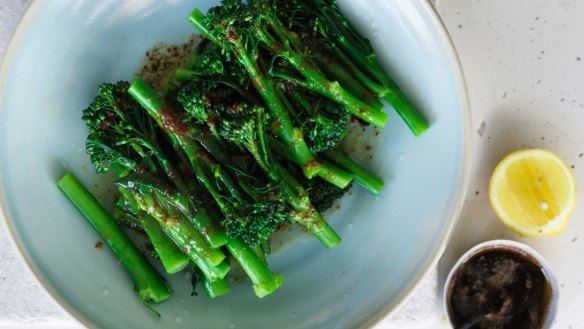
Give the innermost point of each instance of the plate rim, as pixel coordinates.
(454, 61)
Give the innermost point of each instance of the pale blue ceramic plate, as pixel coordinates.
(63, 49)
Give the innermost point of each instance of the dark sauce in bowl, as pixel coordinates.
(506, 286)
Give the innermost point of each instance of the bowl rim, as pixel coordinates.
(464, 99)
(503, 244)
(15, 40)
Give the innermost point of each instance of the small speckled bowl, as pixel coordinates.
(507, 245)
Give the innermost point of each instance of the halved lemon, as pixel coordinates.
(532, 192)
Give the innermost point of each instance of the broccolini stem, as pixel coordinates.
(329, 172)
(220, 175)
(172, 258)
(178, 131)
(306, 215)
(212, 273)
(264, 281)
(334, 91)
(208, 227)
(196, 19)
(390, 92)
(214, 146)
(413, 119)
(150, 285)
(348, 64)
(338, 27)
(257, 249)
(188, 238)
(350, 32)
(214, 289)
(325, 233)
(337, 72)
(172, 221)
(363, 177)
(182, 74)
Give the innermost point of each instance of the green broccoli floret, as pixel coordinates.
(323, 194)
(324, 123)
(255, 221)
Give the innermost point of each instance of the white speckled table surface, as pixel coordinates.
(524, 64)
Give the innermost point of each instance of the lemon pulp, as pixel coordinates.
(532, 192)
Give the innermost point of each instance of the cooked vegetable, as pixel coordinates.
(245, 138)
(172, 258)
(149, 284)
